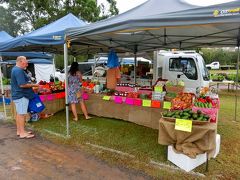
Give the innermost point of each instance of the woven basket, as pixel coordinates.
(168, 98)
(175, 89)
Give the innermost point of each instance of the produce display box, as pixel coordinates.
(218, 142)
(183, 161)
(211, 112)
(176, 89)
(168, 98)
(194, 122)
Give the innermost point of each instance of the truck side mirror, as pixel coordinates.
(184, 70)
(179, 75)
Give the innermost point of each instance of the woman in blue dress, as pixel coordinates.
(75, 86)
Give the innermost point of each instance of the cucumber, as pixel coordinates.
(200, 118)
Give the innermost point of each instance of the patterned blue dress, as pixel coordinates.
(74, 85)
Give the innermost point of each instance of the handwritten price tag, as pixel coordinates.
(106, 98)
(158, 89)
(183, 125)
(167, 105)
(146, 103)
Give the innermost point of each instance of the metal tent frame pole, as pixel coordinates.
(2, 92)
(54, 67)
(236, 98)
(135, 64)
(66, 87)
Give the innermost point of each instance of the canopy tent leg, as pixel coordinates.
(236, 98)
(66, 87)
(2, 92)
(54, 67)
(155, 69)
(135, 64)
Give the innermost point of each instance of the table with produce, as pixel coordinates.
(167, 102)
(53, 96)
(139, 104)
(146, 105)
(190, 125)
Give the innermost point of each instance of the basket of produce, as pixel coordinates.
(182, 101)
(170, 96)
(197, 118)
(175, 89)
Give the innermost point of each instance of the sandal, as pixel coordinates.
(75, 119)
(29, 132)
(28, 136)
(89, 117)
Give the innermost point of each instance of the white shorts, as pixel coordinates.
(21, 105)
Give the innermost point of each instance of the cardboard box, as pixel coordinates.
(184, 162)
(218, 142)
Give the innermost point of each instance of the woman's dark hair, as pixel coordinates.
(73, 69)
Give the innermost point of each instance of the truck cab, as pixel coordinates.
(187, 66)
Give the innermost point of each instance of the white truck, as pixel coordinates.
(213, 65)
(187, 66)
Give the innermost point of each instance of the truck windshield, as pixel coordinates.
(185, 65)
(85, 68)
(203, 69)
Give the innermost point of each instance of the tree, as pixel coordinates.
(37, 13)
(225, 57)
(7, 22)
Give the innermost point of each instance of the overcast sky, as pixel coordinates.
(124, 5)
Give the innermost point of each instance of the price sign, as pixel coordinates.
(158, 89)
(106, 98)
(167, 105)
(146, 103)
(183, 125)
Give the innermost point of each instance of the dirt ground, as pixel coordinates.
(40, 159)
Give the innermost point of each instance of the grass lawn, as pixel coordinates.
(109, 139)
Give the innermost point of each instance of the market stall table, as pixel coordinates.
(145, 116)
(52, 104)
(202, 138)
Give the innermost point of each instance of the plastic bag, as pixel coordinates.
(35, 104)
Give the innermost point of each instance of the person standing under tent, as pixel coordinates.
(75, 88)
(113, 77)
(21, 93)
(113, 73)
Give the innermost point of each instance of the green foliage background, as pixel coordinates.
(20, 16)
(225, 57)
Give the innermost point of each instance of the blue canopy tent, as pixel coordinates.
(34, 61)
(50, 38)
(41, 55)
(41, 69)
(4, 36)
